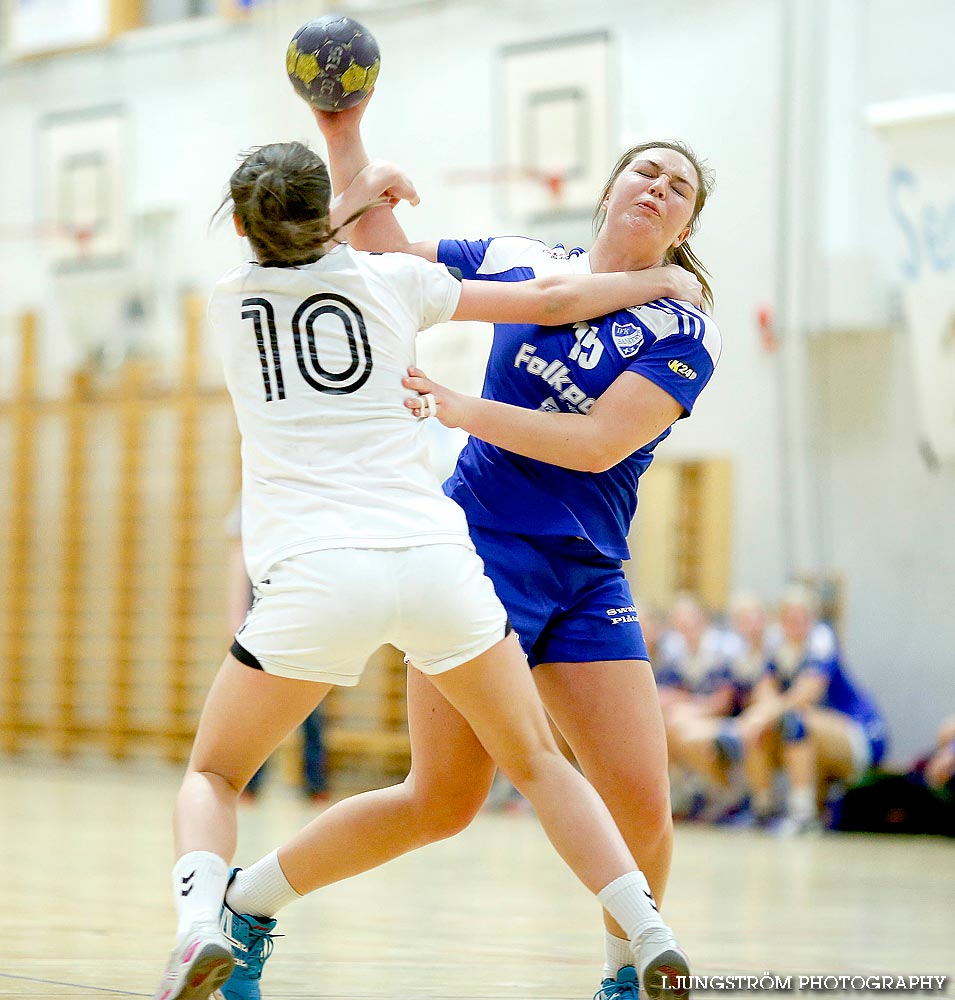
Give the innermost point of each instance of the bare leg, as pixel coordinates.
(610, 715)
(826, 753)
(261, 709)
(264, 709)
(698, 748)
(496, 693)
(799, 760)
(450, 777)
(759, 765)
(498, 696)
(829, 733)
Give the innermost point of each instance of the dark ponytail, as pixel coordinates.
(281, 194)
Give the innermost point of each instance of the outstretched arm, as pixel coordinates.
(630, 414)
(769, 704)
(560, 299)
(378, 229)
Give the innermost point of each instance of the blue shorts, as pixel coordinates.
(567, 602)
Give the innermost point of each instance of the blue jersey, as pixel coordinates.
(565, 369)
(748, 664)
(820, 655)
(702, 672)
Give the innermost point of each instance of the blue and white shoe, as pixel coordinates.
(662, 966)
(625, 987)
(251, 941)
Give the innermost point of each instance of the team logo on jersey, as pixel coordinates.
(628, 338)
(681, 369)
(557, 252)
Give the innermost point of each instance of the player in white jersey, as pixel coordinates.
(350, 543)
(548, 480)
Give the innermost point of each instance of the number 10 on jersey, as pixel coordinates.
(344, 319)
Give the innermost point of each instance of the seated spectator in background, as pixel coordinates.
(807, 715)
(938, 768)
(754, 642)
(695, 683)
(739, 659)
(691, 659)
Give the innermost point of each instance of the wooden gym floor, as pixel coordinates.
(86, 910)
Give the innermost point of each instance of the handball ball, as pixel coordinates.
(333, 62)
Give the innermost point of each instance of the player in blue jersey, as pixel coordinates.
(808, 714)
(568, 422)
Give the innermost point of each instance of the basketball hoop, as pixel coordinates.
(63, 242)
(552, 182)
(83, 240)
(555, 185)
(545, 189)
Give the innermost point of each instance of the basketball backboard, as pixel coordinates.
(555, 122)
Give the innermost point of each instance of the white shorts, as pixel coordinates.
(319, 616)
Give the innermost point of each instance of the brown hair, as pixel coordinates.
(281, 194)
(682, 254)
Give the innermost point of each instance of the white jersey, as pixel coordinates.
(314, 356)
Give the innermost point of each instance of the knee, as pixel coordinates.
(532, 765)
(441, 811)
(641, 810)
(222, 782)
(656, 815)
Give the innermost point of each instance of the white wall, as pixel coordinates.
(890, 516)
(798, 177)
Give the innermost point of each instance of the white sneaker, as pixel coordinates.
(662, 967)
(798, 826)
(198, 965)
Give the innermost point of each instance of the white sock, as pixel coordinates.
(629, 901)
(199, 879)
(617, 954)
(261, 890)
(762, 802)
(801, 802)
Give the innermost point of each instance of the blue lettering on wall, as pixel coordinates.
(928, 230)
(939, 226)
(900, 179)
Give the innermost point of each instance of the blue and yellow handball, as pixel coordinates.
(333, 62)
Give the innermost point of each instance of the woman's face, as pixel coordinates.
(652, 200)
(749, 622)
(796, 622)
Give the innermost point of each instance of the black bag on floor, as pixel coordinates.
(894, 803)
